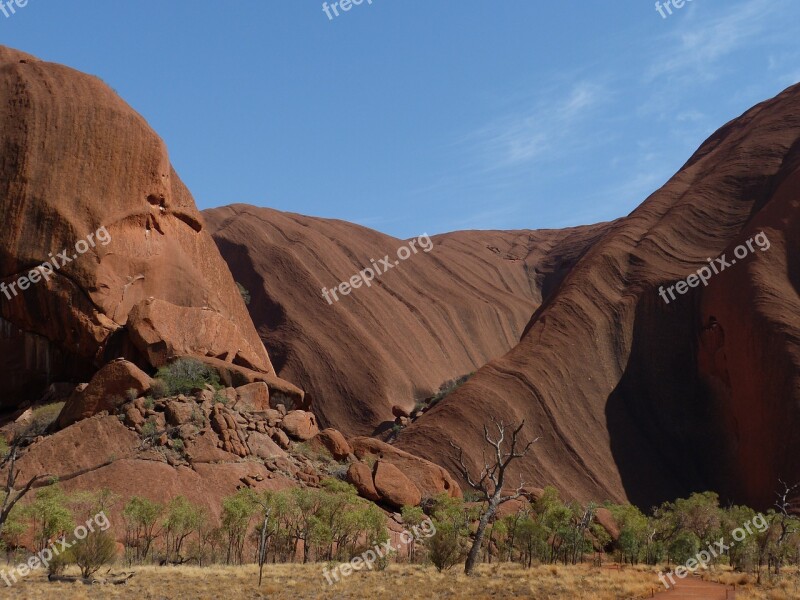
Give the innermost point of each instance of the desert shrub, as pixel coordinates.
(338, 471)
(244, 293)
(13, 529)
(98, 548)
(149, 429)
(159, 389)
(42, 418)
(186, 375)
(448, 546)
(131, 395)
(59, 563)
(448, 387)
(315, 453)
(281, 398)
(445, 547)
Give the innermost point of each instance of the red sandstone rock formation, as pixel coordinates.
(436, 316)
(641, 400)
(77, 159)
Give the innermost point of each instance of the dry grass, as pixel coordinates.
(291, 582)
(785, 587)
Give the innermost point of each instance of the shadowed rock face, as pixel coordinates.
(638, 399)
(75, 158)
(435, 316)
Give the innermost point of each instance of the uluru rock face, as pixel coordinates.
(435, 316)
(76, 160)
(638, 399)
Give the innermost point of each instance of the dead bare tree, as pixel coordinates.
(12, 495)
(785, 505)
(492, 479)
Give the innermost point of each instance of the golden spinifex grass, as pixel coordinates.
(786, 586)
(291, 581)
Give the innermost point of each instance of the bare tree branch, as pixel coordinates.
(490, 482)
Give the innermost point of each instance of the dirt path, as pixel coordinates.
(697, 589)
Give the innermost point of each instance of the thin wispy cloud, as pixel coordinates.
(545, 130)
(695, 47)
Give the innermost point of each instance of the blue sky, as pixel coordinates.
(427, 115)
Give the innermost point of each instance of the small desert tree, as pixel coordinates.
(141, 521)
(413, 516)
(98, 548)
(237, 513)
(182, 520)
(49, 516)
(491, 481)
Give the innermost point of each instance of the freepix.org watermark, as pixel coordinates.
(715, 267)
(667, 6)
(332, 10)
(43, 558)
(47, 269)
(9, 7)
(367, 559)
(715, 549)
(366, 276)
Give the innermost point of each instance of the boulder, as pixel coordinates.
(162, 330)
(395, 488)
(271, 417)
(300, 425)
(360, 475)
(281, 391)
(430, 479)
(180, 413)
(134, 417)
(106, 391)
(263, 447)
(399, 412)
(252, 397)
(334, 442)
(280, 438)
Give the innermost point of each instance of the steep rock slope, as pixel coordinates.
(82, 173)
(435, 316)
(637, 399)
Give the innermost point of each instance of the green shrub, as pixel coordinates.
(187, 375)
(220, 398)
(245, 294)
(98, 548)
(159, 389)
(448, 387)
(149, 429)
(43, 417)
